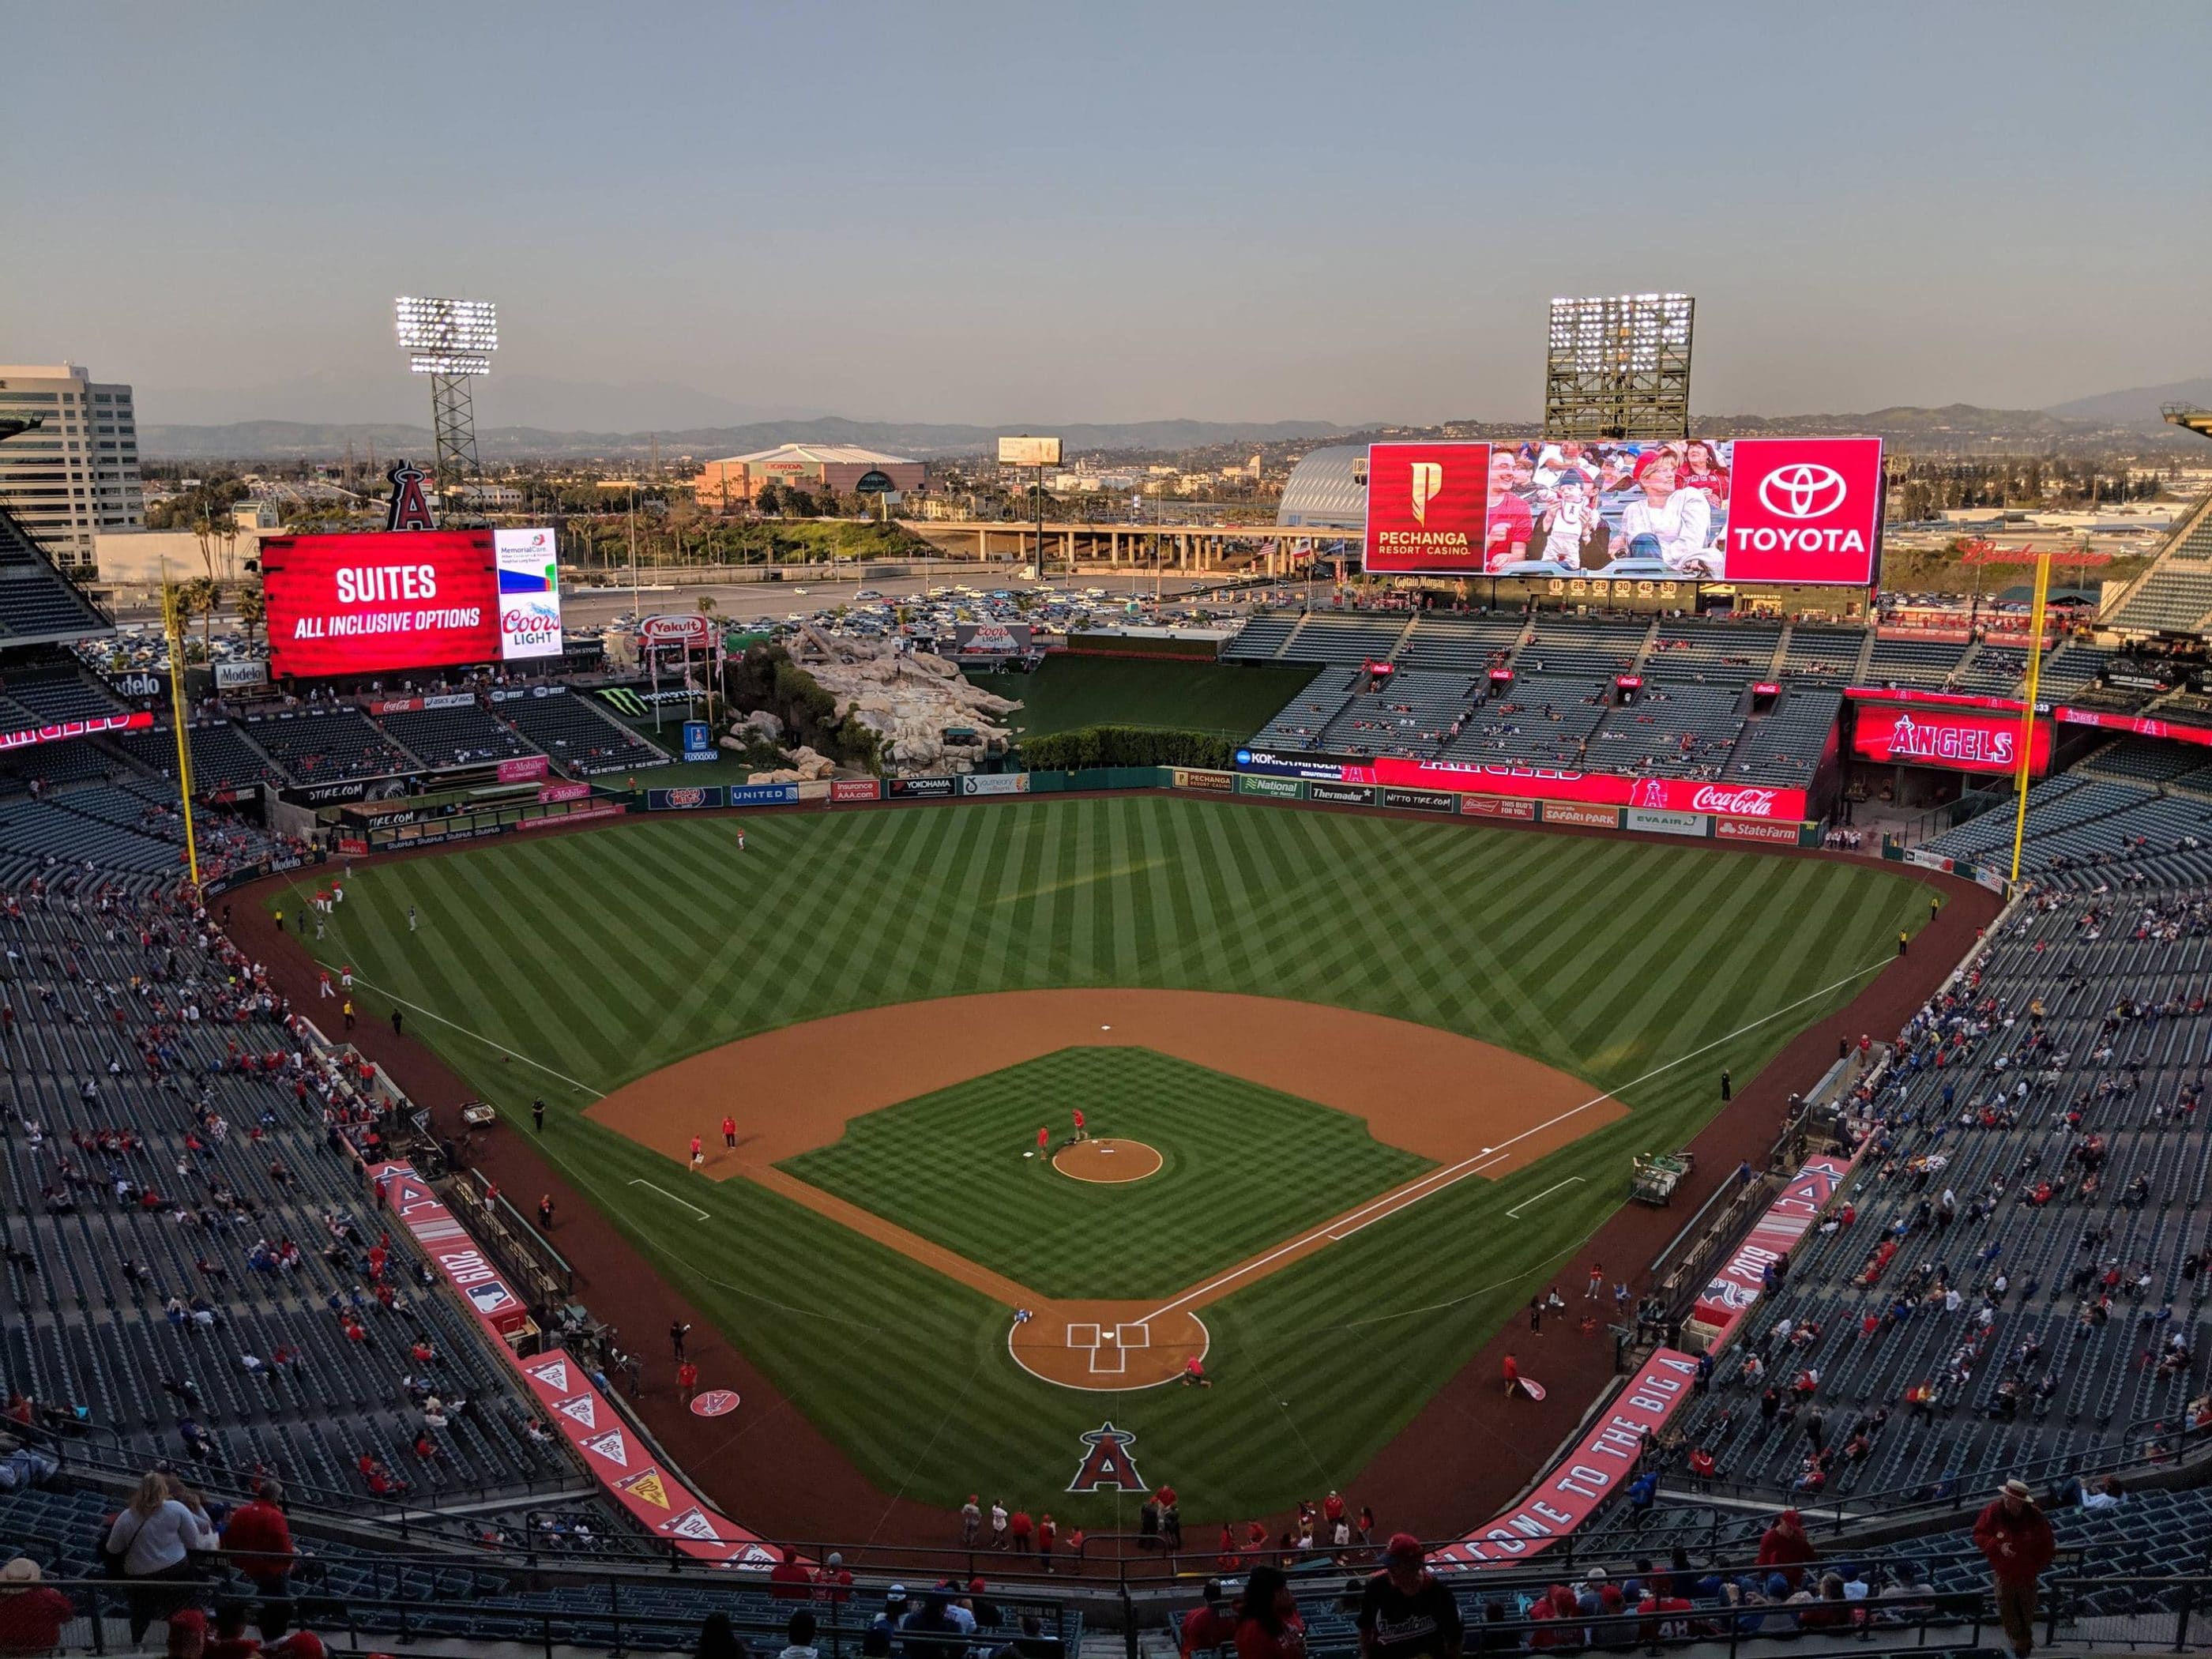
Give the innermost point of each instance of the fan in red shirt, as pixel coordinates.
(788, 1580)
(261, 1539)
(1267, 1624)
(1021, 1529)
(1510, 524)
(32, 1614)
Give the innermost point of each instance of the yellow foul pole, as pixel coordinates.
(2027, 714)
(172, 625)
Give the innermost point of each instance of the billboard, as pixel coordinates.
(1797, 510)
(1948, 738)
(1028, 452)
(529, 593)
(1526, 783)
(364, 603)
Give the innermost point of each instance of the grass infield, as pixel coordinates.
(1070, 691)
(604, 956)
(1243, 1168)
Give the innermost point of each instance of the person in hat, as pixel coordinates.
(1210, 1625)
(1405, 1611)
(1785, 1545)
(2013, 1534)
(32, 1614)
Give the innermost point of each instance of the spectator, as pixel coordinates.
(2013, 1534)
(717, 1640)
(1783, 1545)
(788, 1581)
(32, 1614)
(149, 1545)
(1032, 1643)
(259, 1535)
(1405, 1611)
(799, 1637)
(1267, 1624)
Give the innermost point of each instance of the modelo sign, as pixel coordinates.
(1957, 742)
(1794, 510)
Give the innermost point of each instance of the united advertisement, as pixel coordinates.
(1791, 510)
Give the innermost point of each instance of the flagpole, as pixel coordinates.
(173, 627)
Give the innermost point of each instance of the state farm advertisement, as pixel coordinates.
(1797, 510)
(370, 603)
(1941, 736)
(1805, 510)
(1428, 508)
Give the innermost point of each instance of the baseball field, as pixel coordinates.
(1368, 1083)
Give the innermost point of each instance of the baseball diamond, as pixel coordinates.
(1354, 1042)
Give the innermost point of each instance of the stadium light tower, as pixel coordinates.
(1619, 366)
(452, 342)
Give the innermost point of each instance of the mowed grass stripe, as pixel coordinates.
(1298, 902)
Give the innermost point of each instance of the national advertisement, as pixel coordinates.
(1341, 794)
(1252, 783)
(523, 769)
(854, 789)
(1306, 763)
(1771, 832)
(1495, 806)
(1418, 800)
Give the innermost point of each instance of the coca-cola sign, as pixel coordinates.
(1602, 788)
(1744, 803)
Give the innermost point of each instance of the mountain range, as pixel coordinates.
(2127, 422)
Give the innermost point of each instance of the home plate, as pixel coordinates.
(1028, 1154)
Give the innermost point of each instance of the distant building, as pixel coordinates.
(819, 469)
(78, 474)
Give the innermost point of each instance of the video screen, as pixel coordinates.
(385, 601)
(1798, 510)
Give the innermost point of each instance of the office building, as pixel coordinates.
(77, 475)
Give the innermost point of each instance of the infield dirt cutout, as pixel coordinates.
(1470, 1106)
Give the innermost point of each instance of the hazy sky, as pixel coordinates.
(1037, 212)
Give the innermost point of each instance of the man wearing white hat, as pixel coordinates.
(2014, 1534)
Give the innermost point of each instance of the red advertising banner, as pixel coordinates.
(1494, 806)
(1759, 830)
(1601, 788)
(1603, 1463)
(523, 769)
(551, 791)
(1733, 1289)
(365, 604)
(30, 735)
(1584, 817)
(853, 789)
(1804, 510)
(2141, 726)
(1933, 699)
(1428, 508)
(1957, 742)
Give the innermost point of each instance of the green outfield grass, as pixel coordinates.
(1070, 691)
(1243, 1168)
(603, 956)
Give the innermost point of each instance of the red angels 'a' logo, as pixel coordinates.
(1107, 1462)
(410, 508)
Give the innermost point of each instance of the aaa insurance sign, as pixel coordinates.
(1427, 507)
(1804, 510)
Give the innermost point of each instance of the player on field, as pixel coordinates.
(1081, 1133)
(698, 1154)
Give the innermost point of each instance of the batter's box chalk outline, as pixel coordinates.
(1099, 1354)
(1083, 1336)
(1133, 1336)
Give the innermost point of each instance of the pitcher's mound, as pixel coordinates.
(1106, 1161)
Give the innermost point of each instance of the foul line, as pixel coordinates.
(1458, 1172)
(479, 1036)
(1515, 1212)
(672, 1198)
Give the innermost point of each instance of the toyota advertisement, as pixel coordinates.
(1948, 737)
(1795, 510)
(374, 603)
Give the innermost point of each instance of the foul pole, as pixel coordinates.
(2027, 714)
(171, 625)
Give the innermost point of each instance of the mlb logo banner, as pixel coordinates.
(1428, 509)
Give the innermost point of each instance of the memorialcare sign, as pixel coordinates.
(1601, 1463)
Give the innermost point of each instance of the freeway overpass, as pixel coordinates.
(1260, 549)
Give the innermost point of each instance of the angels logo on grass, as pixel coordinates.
(579, 1407)
(1107, 1462)
(648, 1486)
(692, 1523)
(611, 1446)
(553, 1373)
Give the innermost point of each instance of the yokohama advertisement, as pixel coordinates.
(1944, 738)
(1795, 510)
(1601, 1464)
(365, 604)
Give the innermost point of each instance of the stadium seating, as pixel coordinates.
(579, 738)
(1673, 729)
(1924, 663)
(1536, 719)
(57, 692)
(1300, 722)
(1823, 656)
(1347, 637)
(1715, 653)
(327, 745)
(455, 737)
(1260, 638)
(1785, 746)
(1413, 713)
(1593, 646)
(1992, 671)
(1467, 644)
(221, 756)
(2176, 597)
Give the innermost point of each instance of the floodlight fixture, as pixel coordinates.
(447, 336)
(1618, 365)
